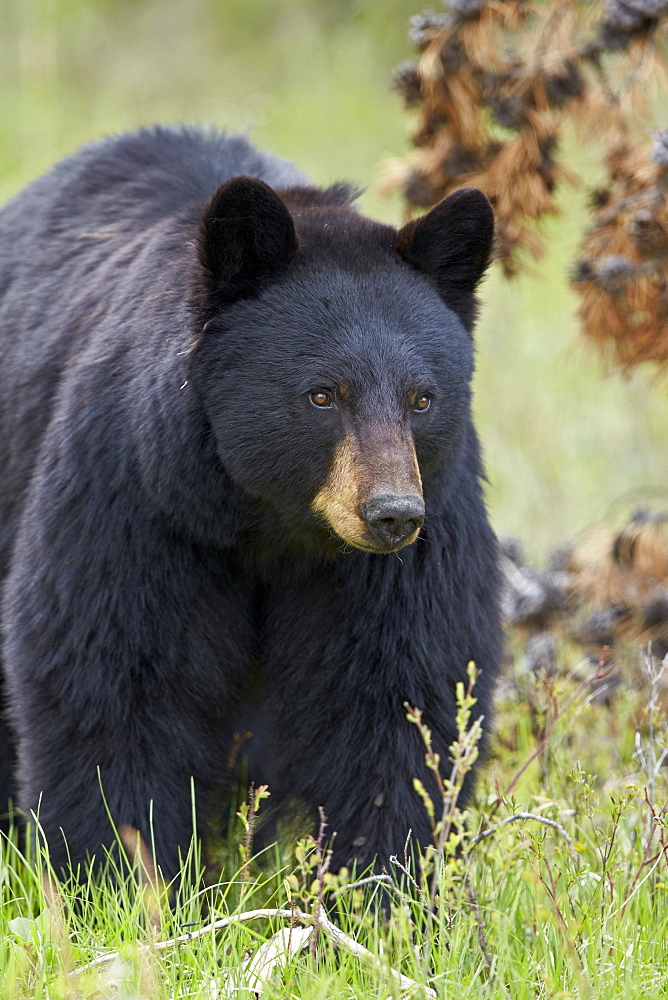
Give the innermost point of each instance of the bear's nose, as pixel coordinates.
(392, 519)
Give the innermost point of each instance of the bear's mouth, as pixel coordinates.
(379, 550)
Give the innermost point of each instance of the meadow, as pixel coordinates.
(567, 899)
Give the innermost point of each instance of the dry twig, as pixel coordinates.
(326, 926)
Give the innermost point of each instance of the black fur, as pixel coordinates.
(167, 584)
(453, 244)
(247, 238)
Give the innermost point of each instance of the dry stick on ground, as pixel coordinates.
(368, 958)
(259, 967)
(325, 925)
(215, 925)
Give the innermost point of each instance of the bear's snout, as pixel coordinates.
(393, 519)
(373, 494)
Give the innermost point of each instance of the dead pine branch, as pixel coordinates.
(491, 93)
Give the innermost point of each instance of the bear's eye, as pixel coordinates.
(422, 403)
(321, 399)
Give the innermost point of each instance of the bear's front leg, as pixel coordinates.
(348, 645)
(84, 785)
(124, 646)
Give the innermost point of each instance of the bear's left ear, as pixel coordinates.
(452, 244)
(246, 238)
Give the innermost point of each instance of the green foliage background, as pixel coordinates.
(566, 445)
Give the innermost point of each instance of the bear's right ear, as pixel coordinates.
(246, 238)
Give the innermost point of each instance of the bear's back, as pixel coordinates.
(137, 176)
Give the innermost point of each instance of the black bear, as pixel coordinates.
(241, 492)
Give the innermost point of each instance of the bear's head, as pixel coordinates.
(336, 355)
